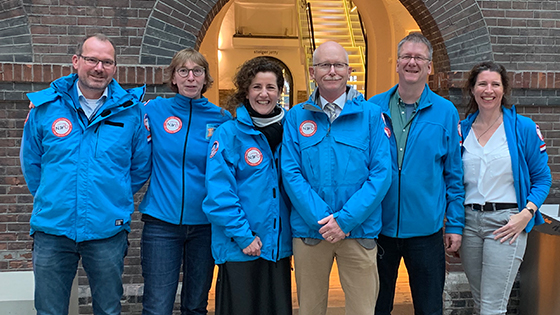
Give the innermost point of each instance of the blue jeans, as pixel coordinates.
(165, 247)
(424, 258)
(490, 266)
(55, 261)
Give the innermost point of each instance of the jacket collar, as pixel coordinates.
(245, 121)
(509, 115)
(424, 101)
(352, 105)
(181, 101)
(63, 87)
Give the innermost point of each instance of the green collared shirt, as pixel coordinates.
(401, 117)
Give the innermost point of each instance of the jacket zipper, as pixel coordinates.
(400, 169)
(275, 167)
(276, 162)
(183, 166)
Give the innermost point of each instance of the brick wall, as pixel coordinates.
(37, 38)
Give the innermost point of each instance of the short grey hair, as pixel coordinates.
(416, 37)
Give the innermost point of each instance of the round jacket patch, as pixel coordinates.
(214, 150)
(61, 127)
(253, 156)
(308, 128)
(172, 124)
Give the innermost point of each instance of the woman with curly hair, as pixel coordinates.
(246, 204)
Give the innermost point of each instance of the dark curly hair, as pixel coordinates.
(180, 58)
(471, 104)
(245, 75)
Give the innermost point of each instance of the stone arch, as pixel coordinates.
(174, 25)
(15, 36)
(456, 28)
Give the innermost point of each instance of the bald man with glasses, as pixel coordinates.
(336, 171)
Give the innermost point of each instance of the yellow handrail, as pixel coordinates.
(305, 33)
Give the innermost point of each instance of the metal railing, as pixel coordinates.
(307, 39)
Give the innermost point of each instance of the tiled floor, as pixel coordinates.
(403, 300)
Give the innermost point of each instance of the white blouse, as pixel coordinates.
(488, 176)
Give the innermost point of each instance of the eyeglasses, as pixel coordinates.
(184, 72)
(418, 59)
(93, 62)
(327, 66)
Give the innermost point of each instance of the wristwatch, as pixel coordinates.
(531, 211)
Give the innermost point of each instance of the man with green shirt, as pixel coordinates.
(426, 183)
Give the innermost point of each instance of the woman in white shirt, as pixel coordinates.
(506, 179)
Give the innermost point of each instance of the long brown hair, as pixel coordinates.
(471, 104)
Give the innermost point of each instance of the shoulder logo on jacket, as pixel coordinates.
(210, 130)
(61, 127)
(172, 124)
(461, 134)
(147, 125)
(253, 156)
(386, 128)
(214, 150)
(543, 145)
(308, 128)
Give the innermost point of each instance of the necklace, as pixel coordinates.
(485, 131)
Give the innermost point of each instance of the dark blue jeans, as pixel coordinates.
(55, 261)
(424, 258)
(165, 247)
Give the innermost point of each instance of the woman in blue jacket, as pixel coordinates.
(176, 231)
(251, 237)
(506, 179)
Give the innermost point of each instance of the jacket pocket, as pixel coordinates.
(113, 140)
(352, 158)
(114, 123)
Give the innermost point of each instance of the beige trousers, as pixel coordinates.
(357, 270)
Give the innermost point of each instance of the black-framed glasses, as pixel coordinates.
(184, 72)
(325, 66)
(418, 59)
(93, 62)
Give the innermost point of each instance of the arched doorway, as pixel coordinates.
(229, 40)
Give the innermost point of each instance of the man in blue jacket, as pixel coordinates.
(84, 154)
(336, 171)
(427, 183)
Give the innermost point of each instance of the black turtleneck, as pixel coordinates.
(272, 132)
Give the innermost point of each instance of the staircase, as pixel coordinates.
(336, 20)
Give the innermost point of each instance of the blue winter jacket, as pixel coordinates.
(84, 175)
(429, 184)
(245, 198)
(339, 168)
(531, 174)
(181, 129)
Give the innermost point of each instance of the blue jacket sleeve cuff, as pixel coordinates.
(453, 230)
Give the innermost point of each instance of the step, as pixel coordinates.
(17, 293)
